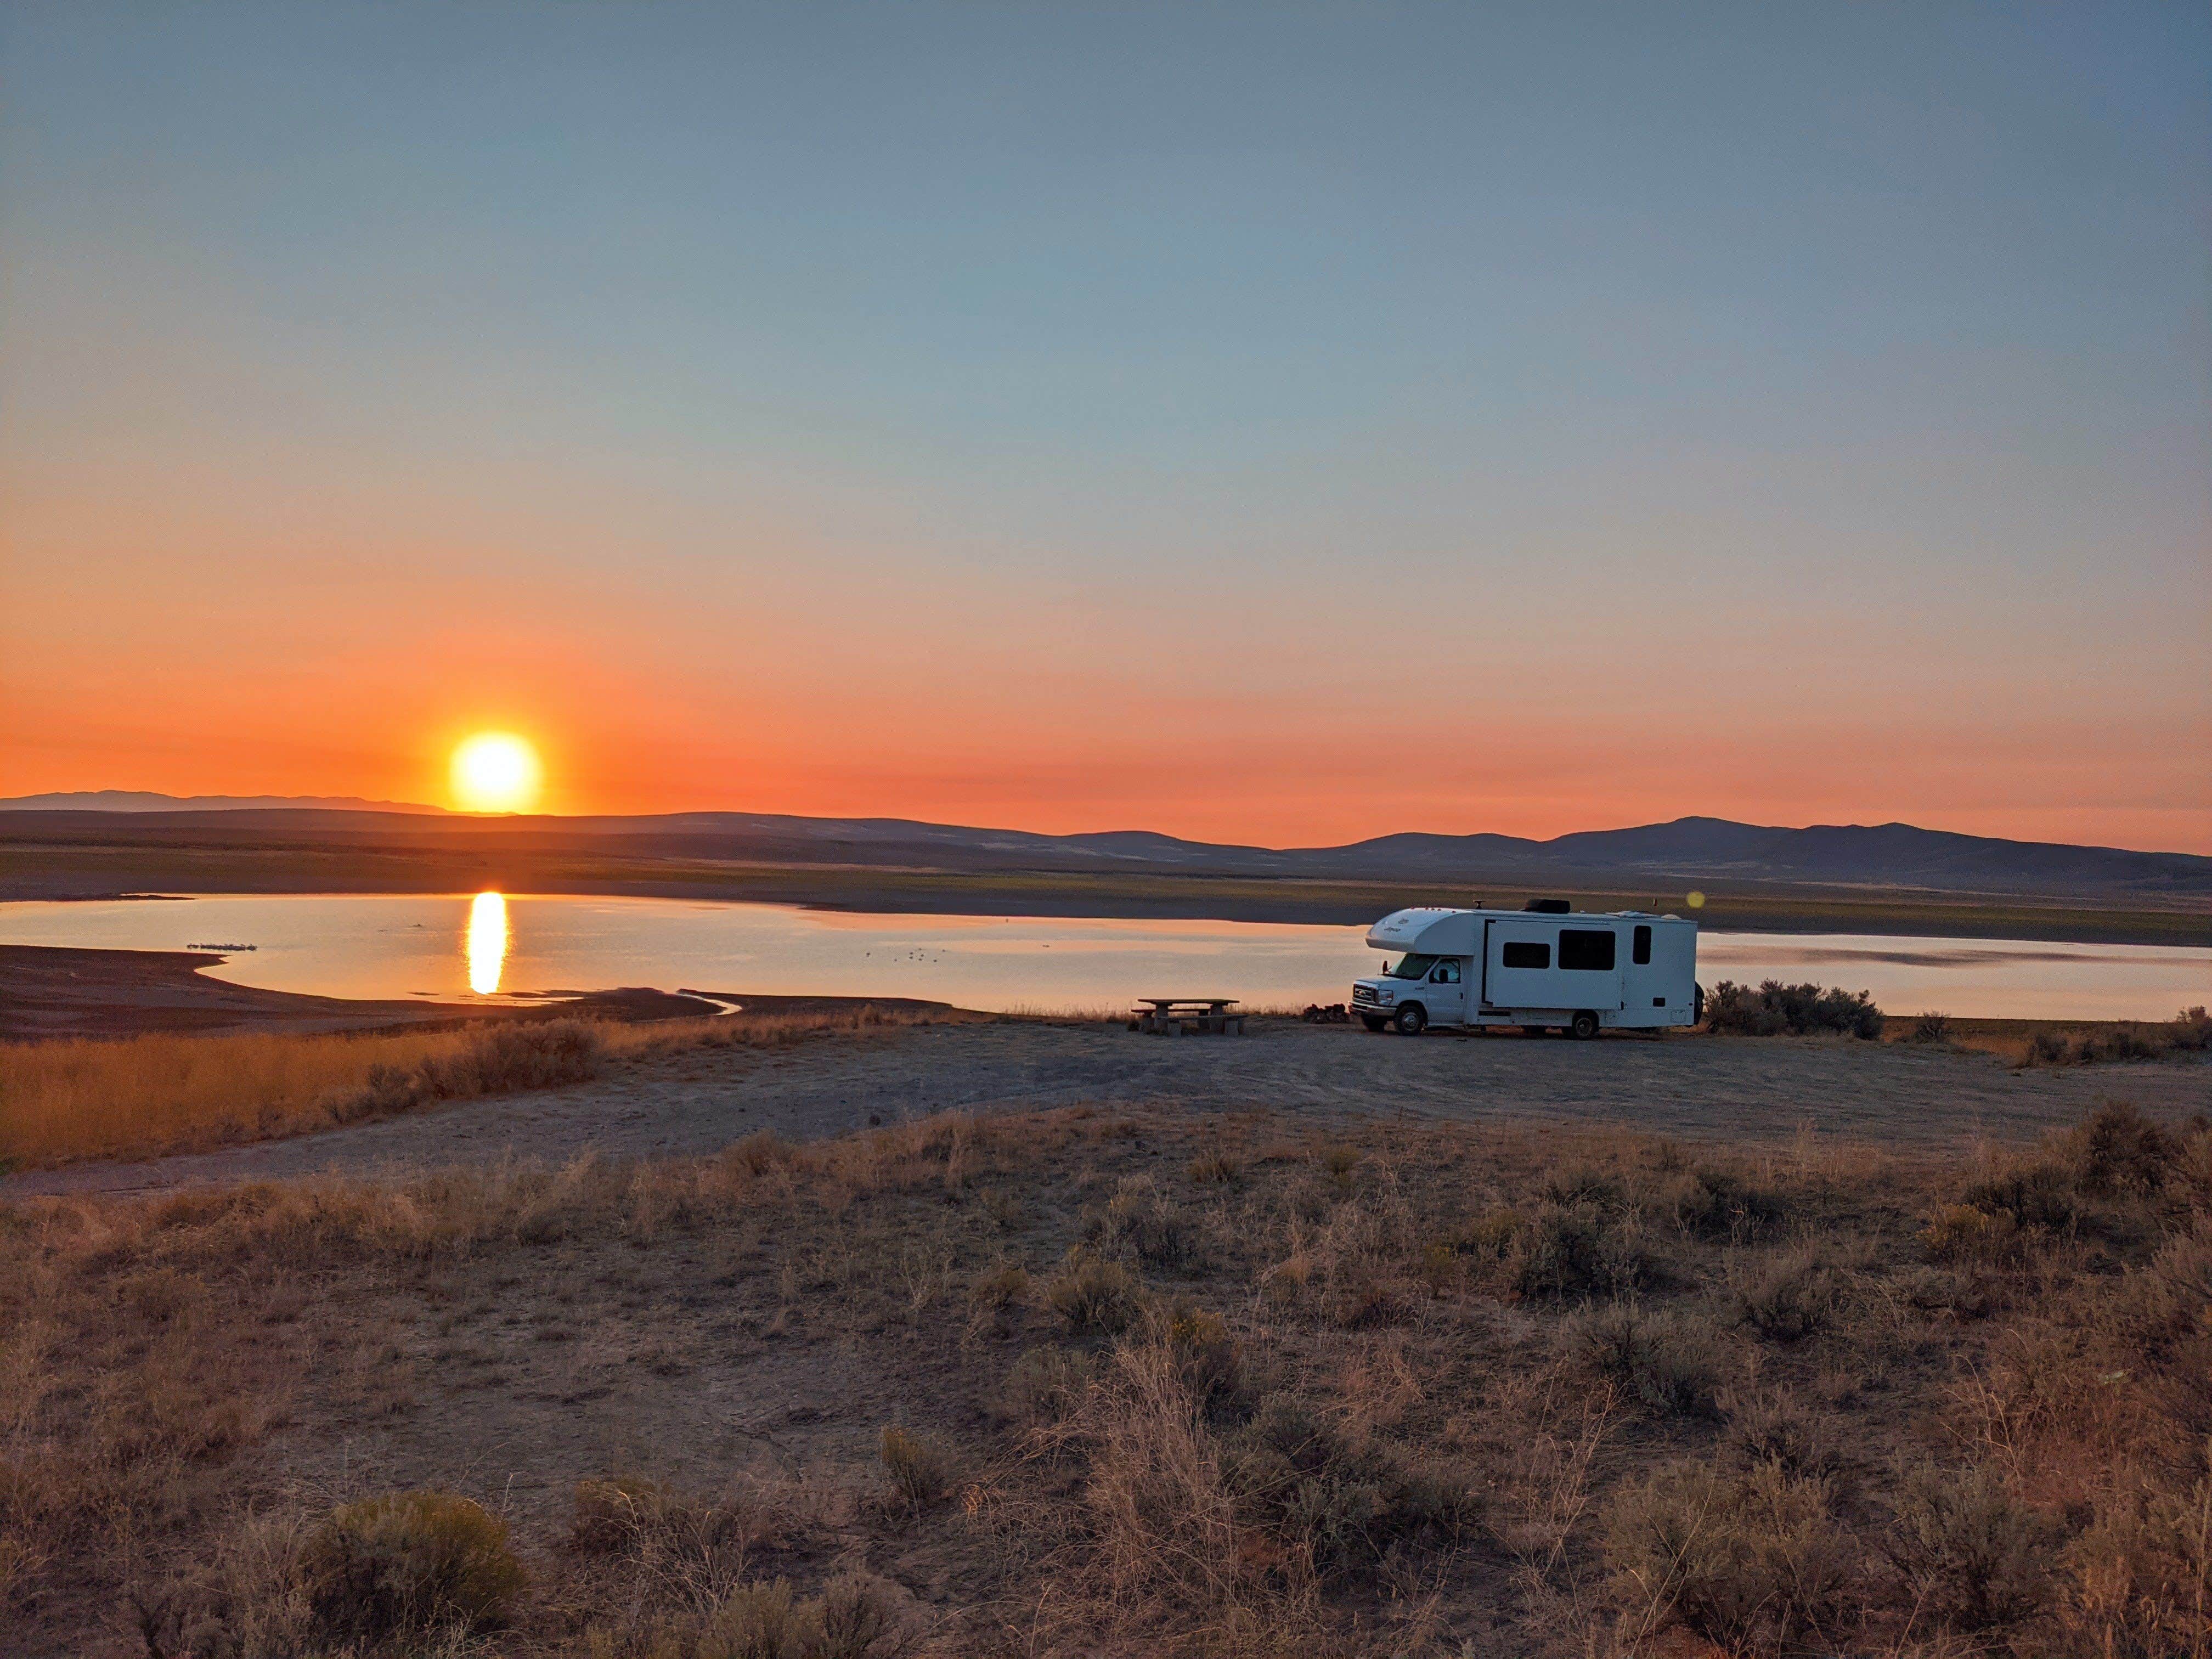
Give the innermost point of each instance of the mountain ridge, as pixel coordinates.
(1684, 850)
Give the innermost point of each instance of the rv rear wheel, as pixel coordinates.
(1413, 1019)
(1584, 1026)
(1374, 1022)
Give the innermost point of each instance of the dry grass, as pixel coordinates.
(2061, 1042)
(1417, 1389)
(137, 1097)
(2189, 1032)
(74, 1098)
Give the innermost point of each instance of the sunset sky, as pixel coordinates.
(1266, 423)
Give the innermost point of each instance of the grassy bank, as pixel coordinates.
(1076, 1382)
(145, 1096)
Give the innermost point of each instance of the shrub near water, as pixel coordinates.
(1776, 1010)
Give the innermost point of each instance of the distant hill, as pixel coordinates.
(139, 800)
(1681, 854)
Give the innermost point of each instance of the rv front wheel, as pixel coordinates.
(1584, 1026)
(1413, 1019)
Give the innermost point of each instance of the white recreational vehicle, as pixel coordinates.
(1544, 967)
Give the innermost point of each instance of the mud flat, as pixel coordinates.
(54, 991)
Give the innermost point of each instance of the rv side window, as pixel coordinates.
(1586, 950)
(1524, 953)
(1639, 951)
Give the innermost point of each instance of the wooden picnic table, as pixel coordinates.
(1189, 1015)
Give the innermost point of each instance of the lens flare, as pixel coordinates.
(496, 772)
(486, 942)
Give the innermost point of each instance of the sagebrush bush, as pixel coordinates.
(1959, 1232)
(1337, 1497)
(1773, 1425)
(920, 1469)
(1739, 1560)
(613, 1512)
(2190, 1180)
(1788, 1297)
(1095, 1295)
(2035, 1194)
(1000, 1286)
(408, 1566)
(1205, 1355)
(1581, 1184)
(1944, 1291)
(2117, 1149)
(1214, 1168)
(1658, 1359)
(1578, 1250)
(1932, 1027)
(1709, 1202)
(850, 1619)
(2143, 1576)
(1776, 1010)
(1138, 1222)
(683, 1544)
(2047, 1047)
(1971, 1554)
(1045, 1386)
(1338, 1160)
(1489, 1236)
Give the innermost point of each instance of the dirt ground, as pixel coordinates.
(1487, 1438)
(1706, 1088)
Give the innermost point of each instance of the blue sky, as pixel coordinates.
(1780, 377)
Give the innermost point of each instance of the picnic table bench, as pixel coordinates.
(1189, 1015)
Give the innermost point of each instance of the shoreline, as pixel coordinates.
(56, 991)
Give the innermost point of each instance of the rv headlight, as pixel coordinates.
(1386, 996)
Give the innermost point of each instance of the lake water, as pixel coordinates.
(474, 946)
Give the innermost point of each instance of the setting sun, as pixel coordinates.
(496, 772)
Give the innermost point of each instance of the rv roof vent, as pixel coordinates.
(1548, 907)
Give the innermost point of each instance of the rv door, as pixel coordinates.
(1518, 960)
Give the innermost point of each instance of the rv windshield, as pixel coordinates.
(1412, 967)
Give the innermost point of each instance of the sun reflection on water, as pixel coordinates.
(486, 942)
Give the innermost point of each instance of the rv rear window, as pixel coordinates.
(1586, 949)
(1524, 953)
(1639, 951)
